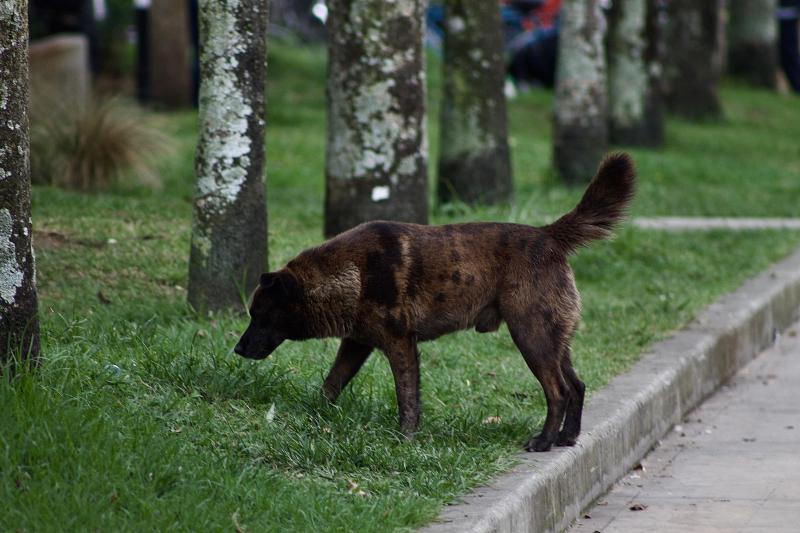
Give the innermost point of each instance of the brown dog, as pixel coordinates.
(389, 285)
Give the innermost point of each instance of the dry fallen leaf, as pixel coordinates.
(492, 420)
(353, 488)
(236, 524)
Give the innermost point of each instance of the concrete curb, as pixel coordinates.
(711, 223)
(622, 422)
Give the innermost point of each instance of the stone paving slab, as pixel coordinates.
(622, 422)
(731, 466)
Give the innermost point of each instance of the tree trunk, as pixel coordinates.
(635, 116)
(229, 232)
(753, 41)
(170, 72)
(19, 325)
(655, 54)
(580, 132)
(695, 33)
(474, 161)
(376, 164)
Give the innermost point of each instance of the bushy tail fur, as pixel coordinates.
(601, 208)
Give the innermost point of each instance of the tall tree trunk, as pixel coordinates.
(376, 164)
(229, 232)
(580, 132)
(474, 160)
(753, 41)
(635, 116)
(655, 54)
(19, 324)
(696, 36)
(170, 72)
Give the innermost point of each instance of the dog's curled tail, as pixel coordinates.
(601, 208)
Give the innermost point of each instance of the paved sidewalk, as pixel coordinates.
(709, 223)
(732, 466)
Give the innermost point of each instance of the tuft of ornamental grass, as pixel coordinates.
(89, 148)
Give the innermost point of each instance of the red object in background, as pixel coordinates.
(548, 13)
(542, 17)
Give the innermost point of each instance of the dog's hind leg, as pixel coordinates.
(538, 344)
(349, 359)
(572, 421)
(404, 360)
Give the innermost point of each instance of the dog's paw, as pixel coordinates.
(539, 444)
(566, 440)
(329, 394)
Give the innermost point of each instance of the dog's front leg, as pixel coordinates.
(349, 359)
(404, 361)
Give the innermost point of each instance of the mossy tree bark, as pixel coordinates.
(170, 71)
(634, 66)
(696, 37)
(19, 325)
(752, 41)
(580, 132)
(376, 161)
(474, 160)
(229, 231)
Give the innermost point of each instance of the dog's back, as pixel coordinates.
(427, 281)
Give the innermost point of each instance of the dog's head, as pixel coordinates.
(275, 315)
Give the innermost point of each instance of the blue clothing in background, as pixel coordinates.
(788, 16)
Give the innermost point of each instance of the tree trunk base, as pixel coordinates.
(482, 179)
(350, 202)
(578, 151)
(649, 133)
(756, 63)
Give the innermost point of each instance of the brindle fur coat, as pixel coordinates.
(390, 285)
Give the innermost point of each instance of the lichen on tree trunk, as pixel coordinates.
(580, 132)
(696, 37)
(635, 116)
(229, 230)
(19, 325)
(376, 160)
(474, 160)
(752, 41)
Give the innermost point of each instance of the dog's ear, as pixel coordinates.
(266, 280)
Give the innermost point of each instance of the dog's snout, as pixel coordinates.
(239, 348)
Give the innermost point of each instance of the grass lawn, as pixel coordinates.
(141, 418)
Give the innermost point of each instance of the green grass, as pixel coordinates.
(141, 418)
